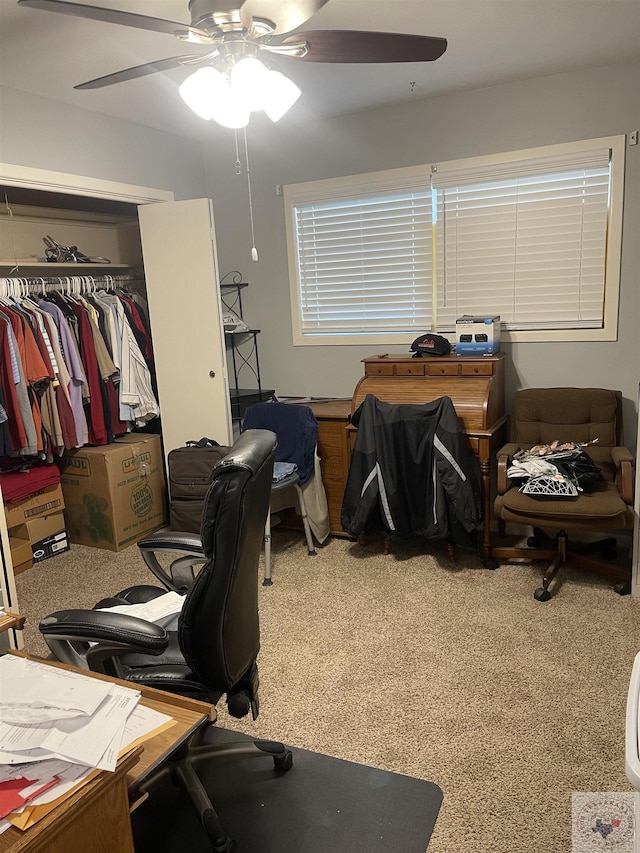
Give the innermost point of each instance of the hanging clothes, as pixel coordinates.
(76, 366)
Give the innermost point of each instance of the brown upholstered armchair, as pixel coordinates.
(541, 416)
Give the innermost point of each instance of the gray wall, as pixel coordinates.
(44, 134)
(580, 105)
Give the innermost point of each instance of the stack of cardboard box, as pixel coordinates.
(108, 497)
(36, 528)
(116, 494)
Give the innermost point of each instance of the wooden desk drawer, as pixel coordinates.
(439, 368)
(417, 369)
(477, 369)
(379, 369)
(332, 465)
(333, 449)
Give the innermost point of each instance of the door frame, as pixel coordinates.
(63, 182)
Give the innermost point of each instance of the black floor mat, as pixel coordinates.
(322, 805)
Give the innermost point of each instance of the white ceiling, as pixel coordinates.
(489, 42)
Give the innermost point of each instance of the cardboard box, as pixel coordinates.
(46, 536)
(477, 335)
(21, 554)
(22, 567)
(114, 495)
(44, 502)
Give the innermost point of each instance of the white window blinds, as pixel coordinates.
(533, 236)
(524, 239)
(364, 263)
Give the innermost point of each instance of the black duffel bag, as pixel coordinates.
(189, 473)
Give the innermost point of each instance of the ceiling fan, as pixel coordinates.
(254, 30)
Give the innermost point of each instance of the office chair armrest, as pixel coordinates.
(180, 574)
(138, 594)
(504, 456)
(172, 540)
(87, 638)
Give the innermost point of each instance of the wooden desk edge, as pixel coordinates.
(149, 692)
(11, 620)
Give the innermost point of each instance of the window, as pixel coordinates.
(532, 235)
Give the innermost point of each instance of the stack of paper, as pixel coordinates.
(163, 610)
(57, 729)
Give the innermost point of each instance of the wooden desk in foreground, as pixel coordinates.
(96, 818)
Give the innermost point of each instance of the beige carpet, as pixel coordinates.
(446, 672)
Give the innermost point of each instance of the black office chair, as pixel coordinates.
(215, 648)
(297, 431)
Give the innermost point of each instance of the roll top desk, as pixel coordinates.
(475, 385)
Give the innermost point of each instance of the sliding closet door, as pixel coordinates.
(181, 271)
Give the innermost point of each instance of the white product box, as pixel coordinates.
(477, 335)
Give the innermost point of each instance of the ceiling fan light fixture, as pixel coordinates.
(227, 108)
(249, 80)
(230, 98)
(279, 95)
(200, 91)
(230, 112)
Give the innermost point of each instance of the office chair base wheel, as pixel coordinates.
(229, 846)
(491, 563)
(216, 835)
(623, 588)
(284, 761)
(542, 594)
(267, 582)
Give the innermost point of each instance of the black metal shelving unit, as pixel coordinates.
(242, 347)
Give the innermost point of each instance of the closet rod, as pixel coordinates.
(93, 279)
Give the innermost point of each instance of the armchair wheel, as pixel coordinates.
(623, 588)
(542, 594)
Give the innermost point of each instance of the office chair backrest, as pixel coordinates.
(219, 629)
(296, 428)
(542, 415)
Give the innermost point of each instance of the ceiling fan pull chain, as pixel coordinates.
(254, 251)
(238, 163)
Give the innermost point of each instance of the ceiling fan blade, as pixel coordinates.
(139, 71)
(285, 14)
(359, 46)
(112, 16)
